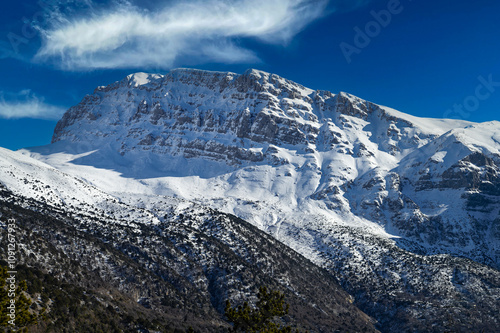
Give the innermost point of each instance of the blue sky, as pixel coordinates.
(427, 58)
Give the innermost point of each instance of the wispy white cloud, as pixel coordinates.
(201, 31)
(26, 104)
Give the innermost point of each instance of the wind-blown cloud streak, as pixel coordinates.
(197, 31)
(25, 104)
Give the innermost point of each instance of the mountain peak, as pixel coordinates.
(257, 73)
(141, 78)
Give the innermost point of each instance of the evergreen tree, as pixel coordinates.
(23, 317)
(260, 319)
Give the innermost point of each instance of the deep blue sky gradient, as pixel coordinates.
(427, 60)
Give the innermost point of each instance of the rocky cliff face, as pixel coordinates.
(383, 199)
(225, 116)
(157, 112)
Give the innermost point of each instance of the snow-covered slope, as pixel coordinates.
(337, 178)
(179, 270)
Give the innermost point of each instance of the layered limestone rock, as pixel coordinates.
(220, 115)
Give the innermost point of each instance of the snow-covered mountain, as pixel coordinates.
(174, 265)
(404, 210)
(272, 151)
